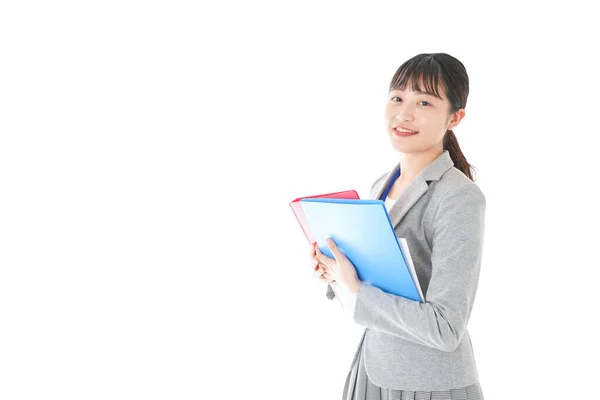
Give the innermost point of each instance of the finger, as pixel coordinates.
(312, 249)
(323, 268)
(322, 257)
(314, 263)
(319, 271)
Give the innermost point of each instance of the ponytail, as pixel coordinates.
(456, 154)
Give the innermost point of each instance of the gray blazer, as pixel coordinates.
(410, 345)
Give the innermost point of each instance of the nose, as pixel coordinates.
(404, 112)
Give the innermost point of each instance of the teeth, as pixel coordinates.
(405, 130)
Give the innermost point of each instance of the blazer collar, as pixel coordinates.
(417, 187)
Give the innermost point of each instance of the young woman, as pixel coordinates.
(414, 350)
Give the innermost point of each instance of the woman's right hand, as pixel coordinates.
(319, 269)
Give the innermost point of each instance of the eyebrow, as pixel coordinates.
(423, 93)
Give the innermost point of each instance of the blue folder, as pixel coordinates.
(364, 233)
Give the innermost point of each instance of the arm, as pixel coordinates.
(441, 321)
(346, 297)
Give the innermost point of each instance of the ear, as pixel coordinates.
(456, 118)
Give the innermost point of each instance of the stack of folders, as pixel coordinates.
(363, 231)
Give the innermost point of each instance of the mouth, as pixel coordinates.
(402, 132)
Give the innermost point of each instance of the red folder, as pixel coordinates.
(299, 213)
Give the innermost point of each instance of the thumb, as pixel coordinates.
(337, 254)
(322, 257)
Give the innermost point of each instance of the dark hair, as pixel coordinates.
(439, 70)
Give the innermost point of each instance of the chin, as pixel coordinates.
(404, 146)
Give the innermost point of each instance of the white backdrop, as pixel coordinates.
(149, 151)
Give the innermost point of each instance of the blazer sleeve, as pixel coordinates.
(440, 322)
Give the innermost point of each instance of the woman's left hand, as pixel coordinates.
(339, 268)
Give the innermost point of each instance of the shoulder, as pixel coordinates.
(380, 179)
(457, 195)
(455, 181)
(377, 183)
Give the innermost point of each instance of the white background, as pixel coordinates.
(149, 151)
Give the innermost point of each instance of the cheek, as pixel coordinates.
(387, 114)
(431, 123)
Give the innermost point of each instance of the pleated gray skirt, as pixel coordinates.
(359, 387)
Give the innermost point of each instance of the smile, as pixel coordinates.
(403, 132)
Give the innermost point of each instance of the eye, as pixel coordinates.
(422, 101)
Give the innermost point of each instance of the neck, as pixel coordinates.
(413, 163)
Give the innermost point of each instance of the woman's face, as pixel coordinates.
(421, 112)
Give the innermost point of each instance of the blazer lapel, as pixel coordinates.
(417, 187)
(378, 190)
